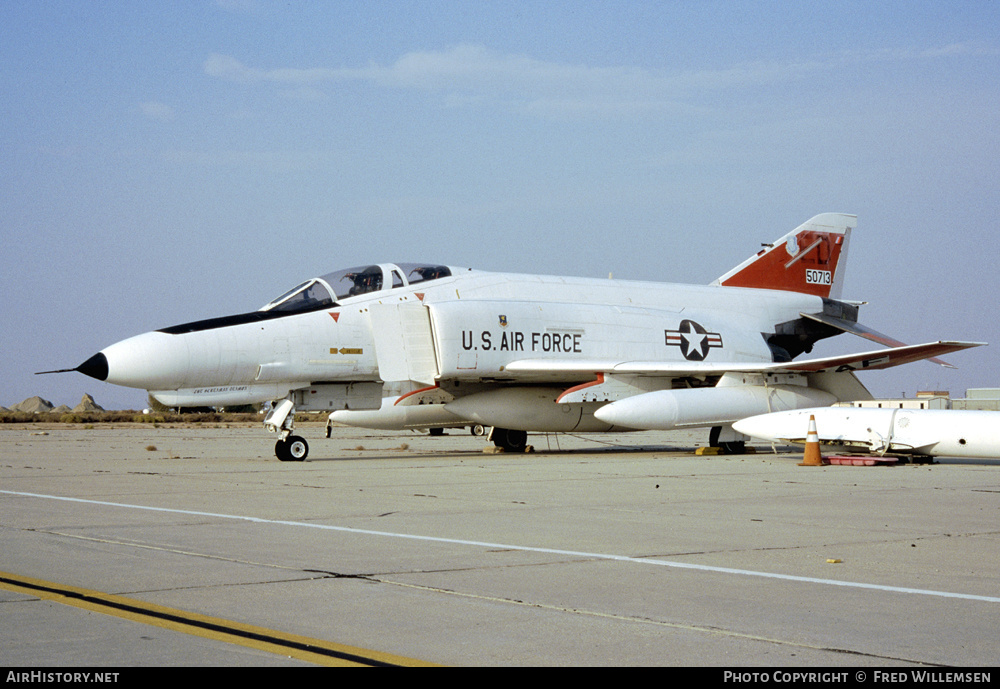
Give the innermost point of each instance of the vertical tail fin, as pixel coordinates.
(808, 259)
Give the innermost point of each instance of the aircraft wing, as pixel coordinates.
(883, 358)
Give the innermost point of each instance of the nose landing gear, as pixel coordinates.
(281, 420)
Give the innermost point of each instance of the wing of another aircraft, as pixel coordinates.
(931, 432)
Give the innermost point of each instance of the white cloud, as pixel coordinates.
(475, 74)
(231, 69)
(469, 74)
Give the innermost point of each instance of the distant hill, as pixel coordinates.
(88, 404)
(38, 405)
(33, 405)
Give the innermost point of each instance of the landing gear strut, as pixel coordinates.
(727, 440)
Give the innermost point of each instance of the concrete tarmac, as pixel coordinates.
(599, 550)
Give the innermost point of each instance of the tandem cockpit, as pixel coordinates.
(329, 290)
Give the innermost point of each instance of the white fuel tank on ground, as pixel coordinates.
(665, 410)
(934, 432)
(527, 409)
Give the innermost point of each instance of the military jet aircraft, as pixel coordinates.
(530, 353)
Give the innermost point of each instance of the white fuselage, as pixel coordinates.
(465, 328)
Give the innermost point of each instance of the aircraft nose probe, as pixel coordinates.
(95, 367)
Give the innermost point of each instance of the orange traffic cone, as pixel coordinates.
(812, 456)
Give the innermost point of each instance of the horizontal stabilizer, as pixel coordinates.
(884, 358)
(862, 331)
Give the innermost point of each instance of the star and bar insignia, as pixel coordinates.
(694, 341)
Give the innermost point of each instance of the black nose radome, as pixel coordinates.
(95, 367)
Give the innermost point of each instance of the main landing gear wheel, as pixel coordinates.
(508, 440)
(728, 447)
(291, 449)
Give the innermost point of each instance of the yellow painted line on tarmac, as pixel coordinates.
(290, 645)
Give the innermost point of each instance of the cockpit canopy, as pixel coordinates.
(329, 290)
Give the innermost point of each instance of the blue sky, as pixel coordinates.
(165, 162)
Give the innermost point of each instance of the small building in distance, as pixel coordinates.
(925, 399)
(985, 399)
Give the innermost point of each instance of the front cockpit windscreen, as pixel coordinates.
(309, 296)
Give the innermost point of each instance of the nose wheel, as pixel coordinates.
(291, 449)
